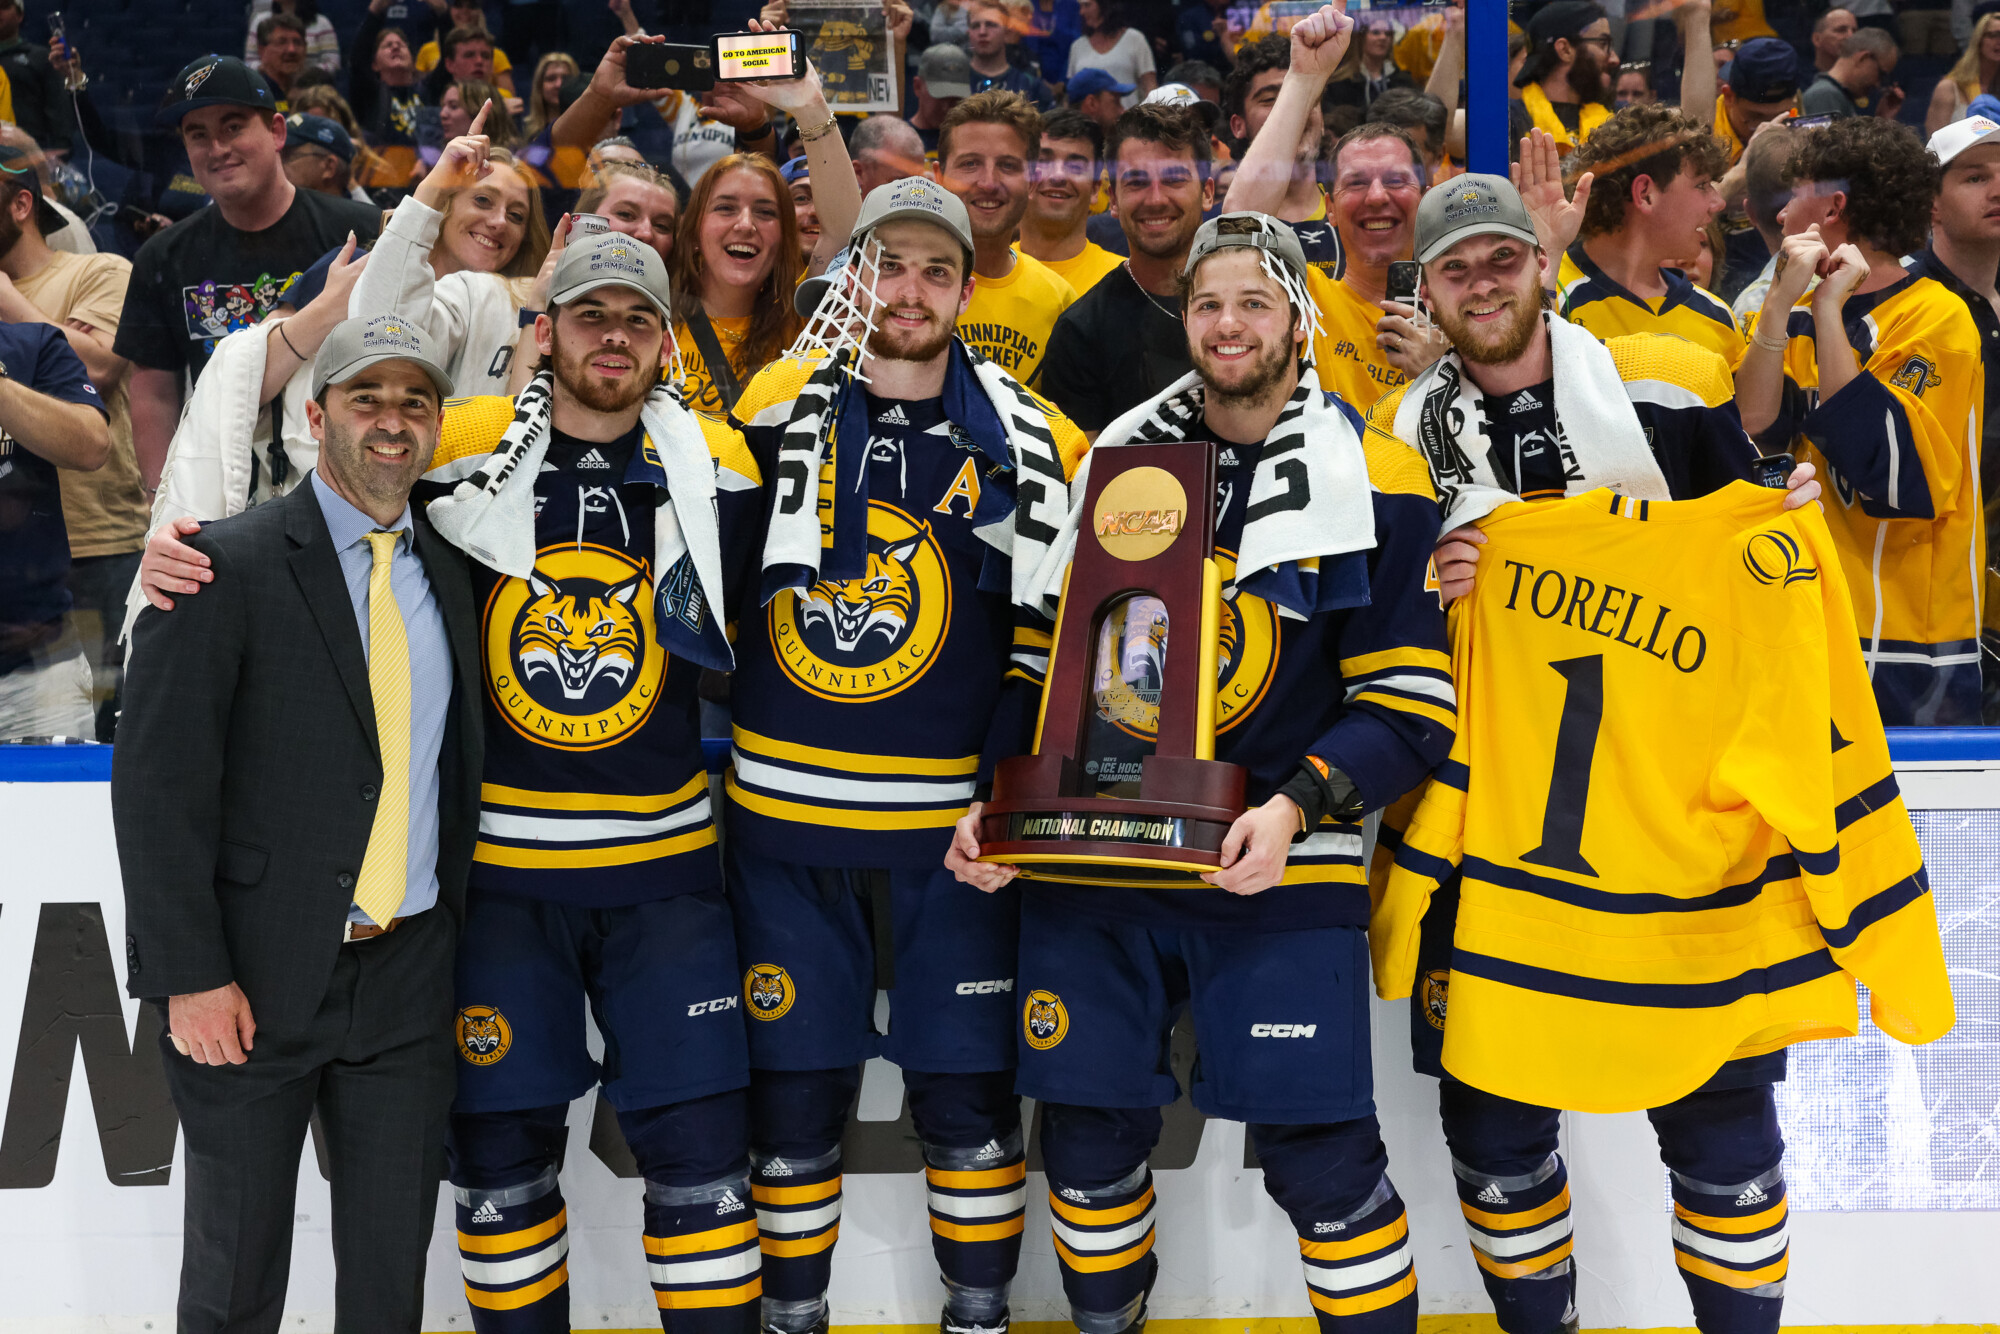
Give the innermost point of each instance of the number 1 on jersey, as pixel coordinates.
(1569, 781)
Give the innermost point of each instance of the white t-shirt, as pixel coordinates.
(1131, 57)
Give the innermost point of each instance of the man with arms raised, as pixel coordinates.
(221, 268)
(1065, 181)
(1360, 350)
(598, 511)
(1349, 705)
(888, 675)
(1291, 164)
(1122, 342)
(1880, 374)
(985, 148)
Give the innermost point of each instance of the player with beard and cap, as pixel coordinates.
(600, 515)
(1527, 406)
(1334, 692)
(1521, 407)
(985, 147)
(1361, 349)
(914, 485)
(1122, 342)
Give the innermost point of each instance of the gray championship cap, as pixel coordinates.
(1272, 236)
(946, 71)
(355, 345)
(1474, 204)
(611, 259)
(917, 198)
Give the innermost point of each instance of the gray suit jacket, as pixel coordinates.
(244, 779)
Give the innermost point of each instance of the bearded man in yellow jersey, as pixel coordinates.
(1653, 192)
(1065, 176)
(984, 148)
(1361, 351)
(1878, 375)
(1567, 82)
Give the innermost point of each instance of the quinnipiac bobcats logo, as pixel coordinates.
(1773, 556)
(572, 660)
(1917, 375)
(484, 1035)
(768, 991)
(1044, 1020)
(865, 639)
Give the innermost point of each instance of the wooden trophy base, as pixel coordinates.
(1163, 838)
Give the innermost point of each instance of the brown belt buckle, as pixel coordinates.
(354, 931)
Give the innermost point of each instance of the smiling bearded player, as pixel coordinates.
(598, 511)
(889, 675)
(1336, 695)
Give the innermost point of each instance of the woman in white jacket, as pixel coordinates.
(459, 257)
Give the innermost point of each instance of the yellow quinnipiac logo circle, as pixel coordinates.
(1246, 659)
(1044, 1020)
(867, 638)
(1437, 986)
(768, 991)
(571, 658)
(484, 1035)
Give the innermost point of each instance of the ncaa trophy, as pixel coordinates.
(1123, 787)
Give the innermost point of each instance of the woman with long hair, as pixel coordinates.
(1977, 71)
(1110, 44)
(734, 267)
(545, 91)
(459, 258)
(460, 102)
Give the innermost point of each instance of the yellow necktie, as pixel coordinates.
(385, 869)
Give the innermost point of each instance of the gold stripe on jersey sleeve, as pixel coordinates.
(842, 817)
(1364, 663)
(1394, 468)
(1675, 360)
(472, 426)
(648, 804)
(823, 758)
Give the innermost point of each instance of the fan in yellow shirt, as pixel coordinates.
(985, 146)
(1061, 198)
(431, 54)
(1566, 83)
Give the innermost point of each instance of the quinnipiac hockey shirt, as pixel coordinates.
(1366, 688)
(1898, 447)
(868, 711)
(595, 791)
(1670, 803)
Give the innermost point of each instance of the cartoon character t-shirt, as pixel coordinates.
(201, 278)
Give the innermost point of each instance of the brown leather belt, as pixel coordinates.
(368, 930)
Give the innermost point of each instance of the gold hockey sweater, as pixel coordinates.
(1670, 803)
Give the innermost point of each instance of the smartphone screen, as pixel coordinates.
(756, 55)
(691, 69)
(1403, 277)
(1772, 470)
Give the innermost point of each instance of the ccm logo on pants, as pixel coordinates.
(1283, 1030)
(994, 987)
(716, 1006)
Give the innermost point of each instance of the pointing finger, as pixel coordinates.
(479, 121)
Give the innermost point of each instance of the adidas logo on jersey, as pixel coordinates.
(729, 1204)
(1751, 1197)
(1491, 1195)
(594, 459)
(1527, 402)
(895, 416)
(486, 1213)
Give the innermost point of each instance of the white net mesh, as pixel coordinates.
(844, 320)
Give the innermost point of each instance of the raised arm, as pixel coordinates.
(836, 193)
(1318, 42)
(1697, 62)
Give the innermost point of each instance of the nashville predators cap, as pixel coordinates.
(355, 345)
(1474, 204)
(611, 259)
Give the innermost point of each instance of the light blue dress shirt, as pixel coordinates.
(430, 672)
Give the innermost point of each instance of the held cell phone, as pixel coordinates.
(756, 55)
(1810, 122)
(56, 24)
(1404, 275)
(691, 69)
(1772, 469)
(587, 224)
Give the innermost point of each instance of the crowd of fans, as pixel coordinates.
(1088, 137)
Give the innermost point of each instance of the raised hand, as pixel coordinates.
(608, 79)
(787, 95)
(341, 276)
(1840, 273)
(462, 163)
(1799, 261)
(1320, 39)
(1539, 178)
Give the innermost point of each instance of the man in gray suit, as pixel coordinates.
(296, 792)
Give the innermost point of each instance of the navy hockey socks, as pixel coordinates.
(513, 1247)
(702, 1256)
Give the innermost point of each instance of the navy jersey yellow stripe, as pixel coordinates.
(867, 710)
(1898, 447)
(595, 791)
(1684, 397)
(1367, 689)
(1590, 298)
(1672, 854)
